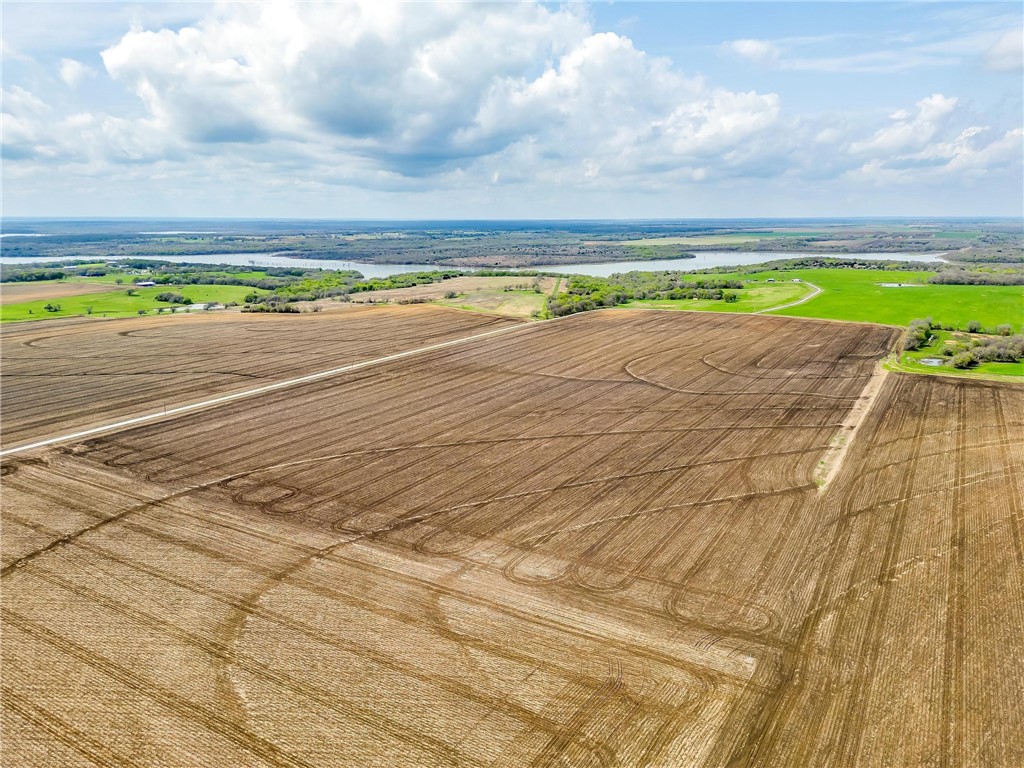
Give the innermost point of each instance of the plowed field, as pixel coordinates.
(591, 542)
(63, 376)
(12, 292)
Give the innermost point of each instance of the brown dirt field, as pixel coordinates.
(593, 542)
(15, 292)
(66, 376)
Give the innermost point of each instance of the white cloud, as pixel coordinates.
(1007, 53)
(421, 89)
(384, 79)
(761, 51)
(885, 53)
(964, 153)
(969, 156)
(72, 72)
(909, 130)
(462, 98)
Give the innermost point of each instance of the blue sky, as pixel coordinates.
(501, 110)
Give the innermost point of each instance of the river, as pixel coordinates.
(703, 260)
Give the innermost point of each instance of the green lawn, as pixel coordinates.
(118, 303)
(753, 298)
(854, 294)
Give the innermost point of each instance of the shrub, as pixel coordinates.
(963, 360)
(285, 308)
(1004, 329)
(451, 294)
(173, 298)
(974, 327)
(918, 334)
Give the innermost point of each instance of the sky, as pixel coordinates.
(512, 110)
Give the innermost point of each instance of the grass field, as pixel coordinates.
(753, 298)
(475, 294)
(509, 303)
(861, 296)
(117, 303)
(852, 294)
(592, 542)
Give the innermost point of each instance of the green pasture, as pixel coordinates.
(857, 295)
(755, 297)
(118, 303)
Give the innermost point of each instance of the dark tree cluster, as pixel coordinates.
(976, 277)
(31, 275)
(1000, 349)
(918, 335)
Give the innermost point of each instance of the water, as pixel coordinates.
(703, 260)
(935, 362)
(257, 260)
(708, 259)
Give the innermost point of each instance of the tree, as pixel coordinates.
(918, 334)
(1005, 329)
(963, 360)
(974, 327)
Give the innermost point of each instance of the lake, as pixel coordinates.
(703, 260)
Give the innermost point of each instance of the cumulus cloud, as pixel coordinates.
(21, 123)
(971, 153)
(411, 98)
(422, 89)
(379, 78)
(909, 130)
(72, 72)
(1007, 53)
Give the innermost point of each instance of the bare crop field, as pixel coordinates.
(69, 375)
(591, 542)
(14, 292)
